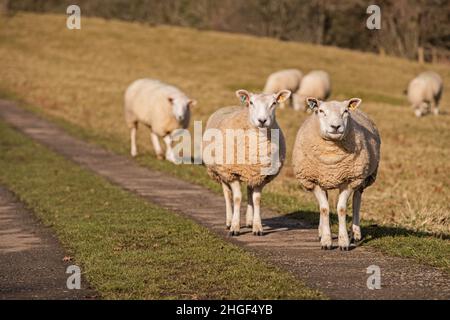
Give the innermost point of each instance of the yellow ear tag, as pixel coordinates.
(352, 106)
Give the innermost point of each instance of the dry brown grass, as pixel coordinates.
(81, 76)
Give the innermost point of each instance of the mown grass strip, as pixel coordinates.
(128, 248)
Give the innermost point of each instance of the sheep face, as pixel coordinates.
(181, 107)
(333, 116)
(262, 106)
(422, 109)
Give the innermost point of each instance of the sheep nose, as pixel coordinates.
(262, 121)
(336, 128)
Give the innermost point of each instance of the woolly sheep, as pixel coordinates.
(288, 79)
(257, 118)
(337, 147)
(161, 107)
(424, 93)
(316, 84)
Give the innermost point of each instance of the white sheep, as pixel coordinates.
(316, 84)
(256, 120)
(424, 93)
(161, 107)
(288, 79)
(337, 147)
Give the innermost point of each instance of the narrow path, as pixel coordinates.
(31, 258)
(289, 243)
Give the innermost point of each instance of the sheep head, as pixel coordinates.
(181, 107)
(262, 106)
(333, 116)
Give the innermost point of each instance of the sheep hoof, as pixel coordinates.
(356, 234)
(233, 233)
(258, 233)
(228, 227)
(326, 247)
(344, 248)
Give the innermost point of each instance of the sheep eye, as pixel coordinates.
(321, 111)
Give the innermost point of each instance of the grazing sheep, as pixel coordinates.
(424, 93)
(161, 107)
(288, 79)
(315, 84)
(337, 147)
(240, 124)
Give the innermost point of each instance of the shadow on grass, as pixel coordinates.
(374, 231)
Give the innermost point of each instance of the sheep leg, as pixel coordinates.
(356, 229)
(435, 107)
(257, 224)
(133, 140)
(228, 204)
(249, 214)
(344, 241)
(321, 197)
(320, 221)
(156, 146)
(237, 198)
(170, 156)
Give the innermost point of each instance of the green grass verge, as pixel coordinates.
(128, 248)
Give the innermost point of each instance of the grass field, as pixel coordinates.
(119, 238)
(79, 78)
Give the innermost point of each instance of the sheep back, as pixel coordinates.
(283, 80)
(146, 101)
(315, 84)
(426, 87)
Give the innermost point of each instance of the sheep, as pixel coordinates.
(424, 93)
(316, 84)
(288, 79)
(337, 147)
(161, 107)
(256, 119)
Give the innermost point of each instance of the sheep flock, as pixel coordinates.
(336, 147)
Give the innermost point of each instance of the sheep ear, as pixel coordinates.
(243, 96)
(312, 103)
(283, 95)
(192, 103)
(354, 103)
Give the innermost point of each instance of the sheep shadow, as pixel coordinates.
(286, 222)
(370, 231)
(374, 231)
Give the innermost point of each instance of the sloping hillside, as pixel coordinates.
(80, 76)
